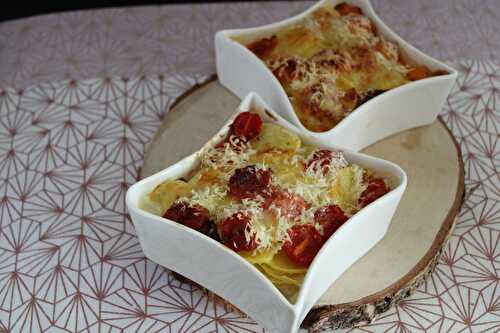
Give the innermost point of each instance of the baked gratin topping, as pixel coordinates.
(332, 61)
(265, 194)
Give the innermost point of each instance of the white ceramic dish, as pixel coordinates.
(414, 104)
(224, 272)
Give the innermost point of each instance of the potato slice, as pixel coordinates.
(281, 165)
(275, 137)
(206, 177)
(167, 192)
(282, 278)
(347, 187)
(281, 263)
(260, 257)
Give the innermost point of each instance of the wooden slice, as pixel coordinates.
(399, 263)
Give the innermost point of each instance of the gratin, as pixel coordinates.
(268, 196)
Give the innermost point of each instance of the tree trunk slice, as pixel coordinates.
(424, 220)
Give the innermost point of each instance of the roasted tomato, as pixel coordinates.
(375, 189)
(289, 205)
(331, 217)
(346, 9)
(289, 70)
(193, 216)
(233, 230)
(418, 73)
(263, 47)
(349, 100)
(322, 159)
(248, 182)
(305, 242)
(247, 125)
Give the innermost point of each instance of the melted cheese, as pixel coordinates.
(308, 188)
(322, 57)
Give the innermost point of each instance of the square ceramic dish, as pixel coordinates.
(410, 105)
(224, 272)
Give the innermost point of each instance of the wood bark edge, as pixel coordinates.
(366, 309)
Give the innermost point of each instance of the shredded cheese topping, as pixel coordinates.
(324, 56)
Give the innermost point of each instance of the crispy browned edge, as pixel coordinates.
(351, 314)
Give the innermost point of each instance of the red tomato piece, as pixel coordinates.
(247, 125)
(331, 217)
(346, 9)
(264, 47)
(289, 205)
(287, 71)
(192, 216)
(322, 159)
(232, 232)
(375, 189)
(248, 182)
(305, 242)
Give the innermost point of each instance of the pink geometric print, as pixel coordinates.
(69, 257)
(149, 40)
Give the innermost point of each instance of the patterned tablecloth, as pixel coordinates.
(69, 257)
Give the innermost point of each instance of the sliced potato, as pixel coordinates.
(206, 177)
(275, 137)
(260, 257)
(347, 187)
(280, 164)
(167, 192)
(282, 278)
(281, 263)
(385, 79)
(151, 206)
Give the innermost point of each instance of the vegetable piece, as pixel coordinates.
(345, 9)
(275, 137)
(325, 160)
(281, 263)
(283, 278)
(305, 242)
(192, 216)
(331, 217)
(233, 232)
(375, 189)
(347, 188)
(288, 205)
(248, 182)
(247, 125)
(167, 192)
(418, 73)
(288, 69)
(263, 47)
(260, 257)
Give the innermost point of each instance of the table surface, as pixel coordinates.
(84, 92)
